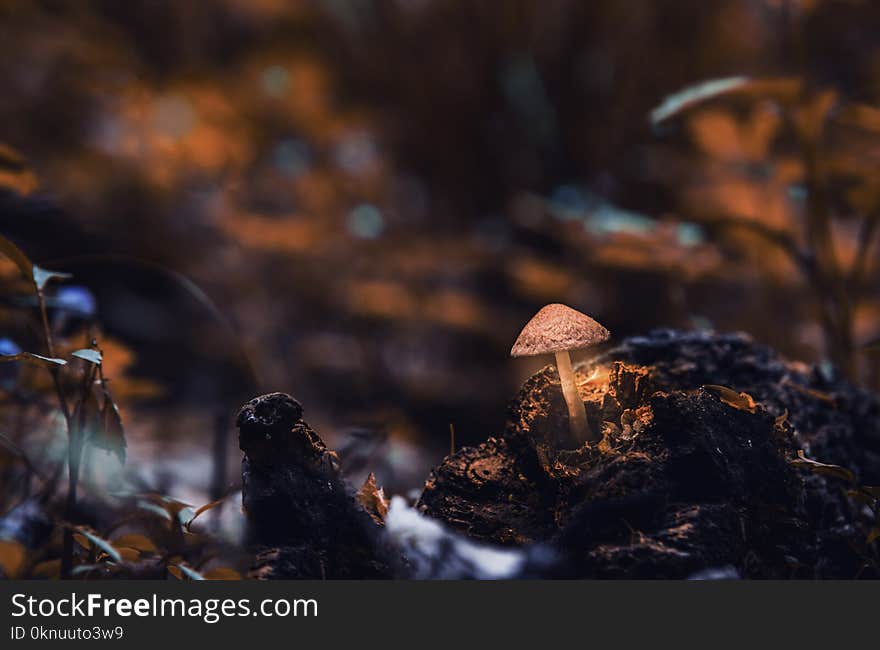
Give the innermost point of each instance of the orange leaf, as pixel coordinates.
(822, 468)
(137, 542)
(48, 569)
(779, 421)
(205, 508)
(12, 557)
(740, 401)
(222, 573)
(372, 499)
(128, 554)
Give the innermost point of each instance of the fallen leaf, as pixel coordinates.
(372, 499)
(48, 569)
(128, 554)
(811, 392)
(860, 497)
(97, 542)
(181, 570)
(12, 557)
(222, 573)
(822, 468)
(205, 508)
(779, 421)
(740, 401)
(138, 542)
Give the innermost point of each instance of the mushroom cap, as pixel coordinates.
(555, 328)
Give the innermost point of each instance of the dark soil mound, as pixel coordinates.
(690, 474)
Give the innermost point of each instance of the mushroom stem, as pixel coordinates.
(577, 415)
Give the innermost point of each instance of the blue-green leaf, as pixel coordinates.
(783, 89)
(43, 276)
(92, 356)
(33, 358)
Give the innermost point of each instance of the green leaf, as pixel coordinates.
(33, 358)
(822, 468)
(784, 89)
(92, 356)
(42, 276)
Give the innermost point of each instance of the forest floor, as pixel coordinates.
(718, 458)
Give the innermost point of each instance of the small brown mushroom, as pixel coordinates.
(559, 329)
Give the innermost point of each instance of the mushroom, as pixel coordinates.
(559, 329)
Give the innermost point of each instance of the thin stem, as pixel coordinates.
(47, 334)
(72, 443)
(218, 479)
(74, 458)
(50, 348)
(577, 415)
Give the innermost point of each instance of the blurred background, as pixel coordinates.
(361, 202)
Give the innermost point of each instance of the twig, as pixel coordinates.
(451, 438)
(74, 458)
(70, 507)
